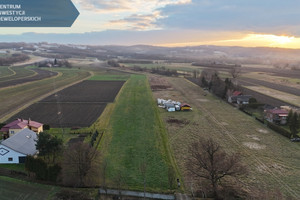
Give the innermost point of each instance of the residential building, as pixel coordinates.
(277, 116)
(20, 124)
(14, 149)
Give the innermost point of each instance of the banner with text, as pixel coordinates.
(37, 13)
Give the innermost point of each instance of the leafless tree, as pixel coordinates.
(81, 165)
(235, 72)
(208, 161)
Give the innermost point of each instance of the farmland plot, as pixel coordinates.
(62, 114)
(39, 75)
(13, 99)
(17, 73)
(273, 161)
(88, 91)
(79, 105)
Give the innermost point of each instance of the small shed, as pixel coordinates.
(185, 107)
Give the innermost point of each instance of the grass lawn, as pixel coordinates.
(16, 189)
(15, 167)
(136, 137)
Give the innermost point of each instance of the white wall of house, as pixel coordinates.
(9, 156)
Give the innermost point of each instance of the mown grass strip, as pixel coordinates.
(136, 146)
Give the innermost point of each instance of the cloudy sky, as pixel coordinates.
(273, 23)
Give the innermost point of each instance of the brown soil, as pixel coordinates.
(158, 83)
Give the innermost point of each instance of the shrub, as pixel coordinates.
(46, 127)
(279, 130)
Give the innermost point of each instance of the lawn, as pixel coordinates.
(15, 167)
(136, 140)
(272, 160)
(16, 189)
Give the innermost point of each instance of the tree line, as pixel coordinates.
(14, 58)
(75, 164)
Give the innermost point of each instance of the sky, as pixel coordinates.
(250, 23)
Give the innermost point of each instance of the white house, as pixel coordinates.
(15, 149)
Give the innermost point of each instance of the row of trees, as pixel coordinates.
(75, 165)
(211, 80)
(14, 58)
(55, 63)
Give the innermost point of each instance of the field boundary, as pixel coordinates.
(12, 113)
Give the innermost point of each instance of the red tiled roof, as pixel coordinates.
(236, 93)
(20, 124)
(185, 105)
(279, 111)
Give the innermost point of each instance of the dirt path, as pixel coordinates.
(215, 117)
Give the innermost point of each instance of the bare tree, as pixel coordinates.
(235, 72)
(208, 161)
(81, 165)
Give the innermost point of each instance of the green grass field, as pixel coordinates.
(5, 71)
(135, 138)
(105, 77)
(16, 73)
(10, 97)
(16, 189)
(15, 167)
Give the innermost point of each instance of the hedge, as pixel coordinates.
(279, 130)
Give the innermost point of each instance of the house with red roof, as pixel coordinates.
(19, 124)
(277, 116)
(232, 98)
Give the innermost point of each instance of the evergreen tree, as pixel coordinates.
(294, 124)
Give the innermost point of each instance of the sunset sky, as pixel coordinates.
(272, 23)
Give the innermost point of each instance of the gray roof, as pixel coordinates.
(244, 97)
(22, 142)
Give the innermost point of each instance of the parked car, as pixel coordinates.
(295, 139)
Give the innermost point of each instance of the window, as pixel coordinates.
(12, 132)
(10, 159)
